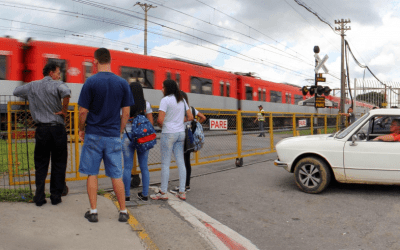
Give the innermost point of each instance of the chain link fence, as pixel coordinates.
(242, 135)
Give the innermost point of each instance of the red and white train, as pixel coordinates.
(207, 87)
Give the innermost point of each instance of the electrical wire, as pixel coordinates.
(116, 22)
(248, 26)
(299, 2)
(364, 66)
(95, 4)
(231, 30)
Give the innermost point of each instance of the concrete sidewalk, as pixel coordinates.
(63, 226)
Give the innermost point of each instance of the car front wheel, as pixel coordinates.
(312, 175)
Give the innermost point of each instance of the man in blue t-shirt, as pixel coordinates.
(101, 99)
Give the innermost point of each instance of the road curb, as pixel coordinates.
(136, 226)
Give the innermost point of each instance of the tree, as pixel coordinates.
(372, 97)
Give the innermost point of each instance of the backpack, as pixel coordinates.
(198, 134)
(143, 135)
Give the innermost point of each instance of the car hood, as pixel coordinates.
(307, 138)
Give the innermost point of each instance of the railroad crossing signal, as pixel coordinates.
(320, 90)
(321, 63)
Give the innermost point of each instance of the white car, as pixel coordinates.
(349, 156)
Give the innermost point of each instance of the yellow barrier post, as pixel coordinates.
(76, 137)
(239, 133)
(312, 124)
(326, 124)
(294, 125)
(197, 157)
(10, 158)
(271, 131)
(337, 122)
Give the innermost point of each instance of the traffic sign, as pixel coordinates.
(320, 102)
(321, 79)
(321, 63)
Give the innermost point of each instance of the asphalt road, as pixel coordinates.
(262, 203)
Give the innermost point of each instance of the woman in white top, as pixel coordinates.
(186, 154)
(141, 107)
(171, 119)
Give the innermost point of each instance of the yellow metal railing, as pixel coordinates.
(238, 141)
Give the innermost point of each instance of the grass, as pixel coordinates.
(20, 194)
(101, 192)
(20, 156)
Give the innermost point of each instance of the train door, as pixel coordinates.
(248, 92)
(175, 75)
(225, 88)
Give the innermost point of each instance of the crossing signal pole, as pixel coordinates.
(342, 28)
(145, 8)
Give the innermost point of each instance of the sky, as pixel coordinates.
(272, 38)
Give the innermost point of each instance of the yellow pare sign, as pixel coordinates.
(320, 102)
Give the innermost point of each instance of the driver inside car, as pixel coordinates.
(395, 132)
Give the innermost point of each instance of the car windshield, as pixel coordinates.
(350, 128)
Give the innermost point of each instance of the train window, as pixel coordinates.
(63, 67)
(168, 76)
(249, 93)
(144, 76)
(87, 70)
(178, 78)
(259, 94)
(276, 96)
(200, 85)
(222, 88)
(288, 98)
(297, 99)
(3, 67)
(227, 89)
(265, 95)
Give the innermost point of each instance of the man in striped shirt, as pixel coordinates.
(51, 138)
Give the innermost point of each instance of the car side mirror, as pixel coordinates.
(361, 136)
(354, 138)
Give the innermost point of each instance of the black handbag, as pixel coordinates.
(189, 140)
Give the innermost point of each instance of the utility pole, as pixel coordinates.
(316, 51)
(145, 7)
(342, 28)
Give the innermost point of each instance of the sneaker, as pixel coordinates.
(181, 195)
(159, 196)
(127, 198)
(91, 217)
(123, 217)
(176, 190)
(142, 197)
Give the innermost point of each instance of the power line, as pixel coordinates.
(311, 24)
(221, 36)
(233, 31)
(364, 66)
(299, 2)
(79, 34)
(95, 4)
(247, 26)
